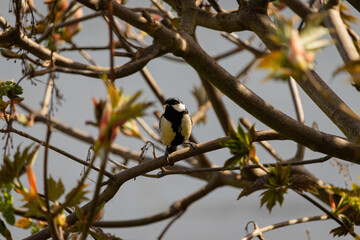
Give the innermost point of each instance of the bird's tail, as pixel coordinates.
(170, 149)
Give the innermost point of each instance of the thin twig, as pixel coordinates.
(284, 224)
(299, 114)
(149, 131)
(196, 117)
(176, 208)
(248, 166)
(53, 27)
(80, 134)
(245, 45)
(95, 200)
(169, 225)
(48, 94)
(54, 231)
(222, 114)
(58, 150)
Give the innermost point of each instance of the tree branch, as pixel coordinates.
(339, 33)
(174, 209)
(115, 183)
(249, 101)
(58, 150)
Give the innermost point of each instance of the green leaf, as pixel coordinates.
(312, 34)
(279, 176)
(76, 196)
(240, 144)
(4, 231)
(268, 197)
(34, 207)
(10, 89)
(13, 169)
(35, 228)
(6, 206)
(271, 196)
(317, 45)
(55, 189)
(343, 230)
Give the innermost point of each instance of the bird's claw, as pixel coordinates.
(166, 155)
(192, 145)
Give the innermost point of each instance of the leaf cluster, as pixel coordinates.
(10, 172)
(115, 111)
(298, 49)
(6, 209)
(241, 145)
(6, 206)
(348, 208)
(12, 91)
(277, 182)
(12, 169)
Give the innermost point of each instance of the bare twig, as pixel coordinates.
(81, 135)
(299, 114)
(244, 45)
(54, 231)
(248, 166)
(58, 150)
(95, 200)
(196, 117)
(176, 208)
(222, 114)
(48, 95)
(53, 27)
(259, 231)
(146, 127)
(169, 225)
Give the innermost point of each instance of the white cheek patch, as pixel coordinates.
(180, 107)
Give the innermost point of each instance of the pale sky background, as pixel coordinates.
(219, 215)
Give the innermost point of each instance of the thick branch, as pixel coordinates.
(298, 7)
(355, 4)
(249, 101)
(322, 95)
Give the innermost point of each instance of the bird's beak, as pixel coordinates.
(164, 106)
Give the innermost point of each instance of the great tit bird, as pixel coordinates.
(175, 125)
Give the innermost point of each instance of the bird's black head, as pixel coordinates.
(172, 101)
(174, 105)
